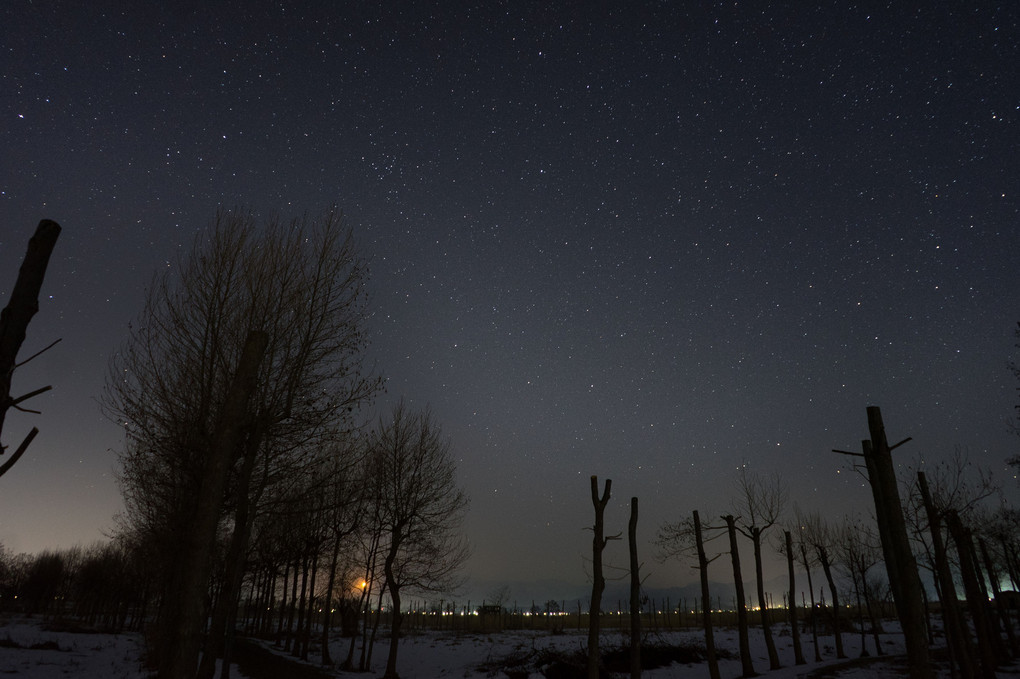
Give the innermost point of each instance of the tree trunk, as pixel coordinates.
(747, 667)
(1002, 615)
(283, 603)
(295, 649)
(396, 619)
(327, 609)
(873, 617)
(759, 580)
(635, 594)
(181, 629)
(856, 577)
(219, 640)
(975, 601)
(706, 601)
(960, 644)
(899, 559)
(798, 652)
(288, 643)
(823, 557)
(14, 319)
(306, 634)
(814, 612)
(598, 581)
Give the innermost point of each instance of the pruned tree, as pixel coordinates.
(14, 320)
(599, 541)
(759, 503)
(798, 652)
(635, 592)
(681, 539)
(901, 566)
(420, 511)
(743, 639)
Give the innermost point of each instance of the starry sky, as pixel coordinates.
(650, 241)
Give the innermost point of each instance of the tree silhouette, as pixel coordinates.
(301, 286)
(420, 509)
(14, 320)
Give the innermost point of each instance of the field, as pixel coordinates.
(36, 650)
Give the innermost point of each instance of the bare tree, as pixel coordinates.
(952, 484)
(746, 664)
(14, 320)
(818, 536)
(759, 503)
(801, 548)
(858, 549)
(302, 285)
(681, 539)
(787, 549)
(635, 592)
(344, 503)
(599, 541)
(420, 509)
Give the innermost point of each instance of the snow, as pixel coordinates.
(433, 655)
(67, 653)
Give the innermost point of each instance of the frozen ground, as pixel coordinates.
(29, 650)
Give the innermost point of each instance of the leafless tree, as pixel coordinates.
(599, 541)
(819, 538)
(420, 510)
(787, 549)
(934, 491)
(759, 503)
(858, 549)
(743, 640)
(802, 550)
(635, 592)
(684, 539)
(301, 284)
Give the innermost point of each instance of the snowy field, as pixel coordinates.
(28, 649)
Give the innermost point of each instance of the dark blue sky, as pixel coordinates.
(643, 242)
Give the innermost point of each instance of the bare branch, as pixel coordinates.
(39, 353)
(19, 452)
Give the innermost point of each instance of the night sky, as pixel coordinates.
(649, 241)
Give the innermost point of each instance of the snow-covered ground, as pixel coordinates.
(432, 655)
(28, 650)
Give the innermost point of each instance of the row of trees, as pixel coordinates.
(977, 555)
(246, 467)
